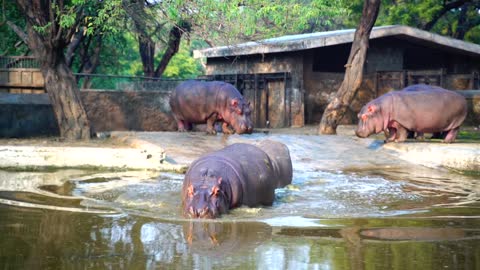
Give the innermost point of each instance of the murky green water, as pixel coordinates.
(351, 206)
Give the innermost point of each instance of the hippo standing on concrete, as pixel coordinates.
(199, 102)
(418, 108)
(239, 174)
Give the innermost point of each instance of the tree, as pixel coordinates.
(354, 70)
(458, 19)
(10, 43)
(51, 26)
(231, 22)
(150, 21)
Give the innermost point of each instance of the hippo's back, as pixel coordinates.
(429, 109)
(248, 169)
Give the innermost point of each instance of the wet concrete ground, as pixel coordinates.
(147, 150)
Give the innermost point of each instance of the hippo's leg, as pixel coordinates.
(226, 129)
(402, 133)
(392, 133)
(210, 124)
(397, 132)
(451, 135)
(182, 125)
(420, 136)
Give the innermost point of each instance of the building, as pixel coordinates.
(289, 80)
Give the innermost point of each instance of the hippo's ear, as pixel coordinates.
(215, 190)
(234, 103)
(190, 191)
(219, 180)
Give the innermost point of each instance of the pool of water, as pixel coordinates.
(351, 205)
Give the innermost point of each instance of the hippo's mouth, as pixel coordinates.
(361, 134)
(204, 213)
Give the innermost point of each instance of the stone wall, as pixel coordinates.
(28, 115)
(128, 110)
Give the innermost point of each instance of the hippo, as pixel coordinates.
(200, 102)
(239, 174)
(418, 108)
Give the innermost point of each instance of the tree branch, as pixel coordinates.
(72, 46)
(446, 7)
(20, 33)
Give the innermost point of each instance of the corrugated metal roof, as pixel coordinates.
(322, 39)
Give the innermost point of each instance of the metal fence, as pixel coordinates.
(125, 83)
(18, 62)
(16, 65)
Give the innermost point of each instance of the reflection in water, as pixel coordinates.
(210, 237)
(40, 239)
(419, 234)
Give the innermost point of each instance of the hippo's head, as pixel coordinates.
(205, 200)
(238, 115)
(370, 120)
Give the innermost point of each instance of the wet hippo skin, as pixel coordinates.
(239, 174)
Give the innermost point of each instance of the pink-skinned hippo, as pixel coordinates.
(239, 174)
(418, 108)
(200, 102)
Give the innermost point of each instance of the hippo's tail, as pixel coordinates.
(280, 157)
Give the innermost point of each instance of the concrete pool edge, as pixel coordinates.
(134, 151)
(456, 156)
(134, 155)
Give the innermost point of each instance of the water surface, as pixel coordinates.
(351, 205)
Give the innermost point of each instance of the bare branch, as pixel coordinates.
(20, 33)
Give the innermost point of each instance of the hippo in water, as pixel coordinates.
(200, 102)
(239, 174)
(418, 108)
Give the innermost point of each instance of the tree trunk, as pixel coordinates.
(48, 46)
(65, 98)
(90, 58)
(147, 54)
(462, 22)
(173, 46)
(62, 89)
(336, 109)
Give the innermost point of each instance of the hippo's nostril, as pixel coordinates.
(203, 212)
(194, 212)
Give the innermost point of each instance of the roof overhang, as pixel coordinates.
(322, 39)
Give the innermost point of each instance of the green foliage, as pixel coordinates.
(419, 13)
(220, 22)
(183, 65)
(225, 22)
(10, 42)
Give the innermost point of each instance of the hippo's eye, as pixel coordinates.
(364, 117)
